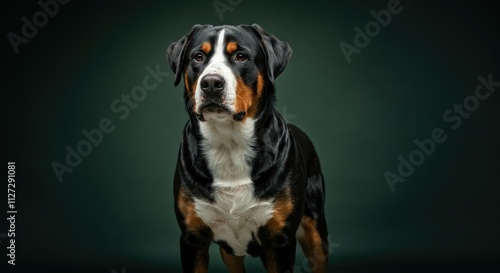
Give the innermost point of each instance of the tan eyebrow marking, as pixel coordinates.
(231, 47)
(206, 47)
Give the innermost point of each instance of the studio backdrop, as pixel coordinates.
(401, 99)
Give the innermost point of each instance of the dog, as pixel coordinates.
(245, 179)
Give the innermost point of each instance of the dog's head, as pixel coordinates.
(227, 69)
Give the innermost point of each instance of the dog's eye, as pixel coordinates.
(241, 57)
(198, 57)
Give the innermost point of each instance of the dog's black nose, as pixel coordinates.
(212, 84)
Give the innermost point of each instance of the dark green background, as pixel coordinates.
(116, 210)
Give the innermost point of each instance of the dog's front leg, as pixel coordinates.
(194, 252)
(196, 236)
(279, 253)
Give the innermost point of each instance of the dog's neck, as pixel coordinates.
(228, 146)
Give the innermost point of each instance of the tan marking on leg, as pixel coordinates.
(201, 263)
(186, 205)
(283, 207)
(234, 264)
(312, 245)
(271, 265)
(195, 225)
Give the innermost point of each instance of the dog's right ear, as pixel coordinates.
(277, 52)
(176, 50)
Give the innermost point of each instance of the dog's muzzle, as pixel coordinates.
(212, 86)
(213, 98)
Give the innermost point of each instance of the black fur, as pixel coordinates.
(286, 158)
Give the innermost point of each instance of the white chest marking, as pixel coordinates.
(235, 214)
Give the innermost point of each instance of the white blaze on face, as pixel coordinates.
(235, 215)
(218, 64)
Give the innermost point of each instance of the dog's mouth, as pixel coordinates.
(210, 108)
(214, 108)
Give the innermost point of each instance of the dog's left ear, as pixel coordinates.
(277, 52)
(176, 50)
